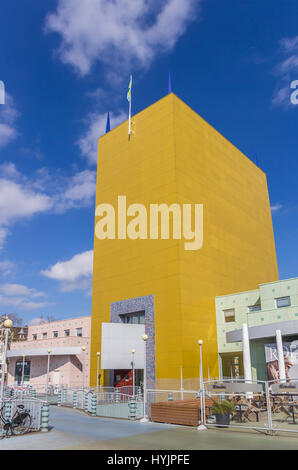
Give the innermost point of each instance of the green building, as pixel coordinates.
(259, 328)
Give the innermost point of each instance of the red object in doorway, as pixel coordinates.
(122, 378)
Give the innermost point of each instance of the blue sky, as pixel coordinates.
(65, 63)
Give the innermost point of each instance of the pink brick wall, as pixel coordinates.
(64, 369)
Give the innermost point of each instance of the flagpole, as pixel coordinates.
(129, 109)
(129, 118)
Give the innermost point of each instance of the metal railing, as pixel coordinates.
(34, 407)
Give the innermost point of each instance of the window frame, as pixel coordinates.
(254, 309)
(224, 315)
(282, 298)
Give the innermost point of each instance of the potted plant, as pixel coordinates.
(222, 412)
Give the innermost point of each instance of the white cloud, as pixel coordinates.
(22, 197)
(8, 116)
(96, 127)
(286, 71)
(36, 321)
(20, 296)
(19, 201)
(79, 192)
(19, 289)
(73, 274)
(6, 266)
(120, 33)
(276, 207)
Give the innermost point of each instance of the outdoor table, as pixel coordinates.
(292, 406)
(238, 407)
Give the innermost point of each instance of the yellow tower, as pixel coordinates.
(175, 157)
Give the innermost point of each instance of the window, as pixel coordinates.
(283, 302)
(44, 335)
(34, 337)
(66, 332)
(136, 318)
(254, 308)
(79, 332)
(22, 372)
(55, 334)
(229, 315)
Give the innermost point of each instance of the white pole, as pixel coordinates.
(181, 384)
(129, 108)
(4, 357)
(83, 369)
(23, 369)
(202, 426)
(281, 359)
(246, 353)
(48, 371)
(133, 372)
(129, 118)
(201, 367)
(97, 374)
(145, 419)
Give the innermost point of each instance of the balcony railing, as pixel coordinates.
(47, 343)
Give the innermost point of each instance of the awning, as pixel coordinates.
(287, 328)
(64, 351)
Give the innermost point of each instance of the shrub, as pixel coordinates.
(223, 408)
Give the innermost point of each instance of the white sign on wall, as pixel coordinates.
(117, 341)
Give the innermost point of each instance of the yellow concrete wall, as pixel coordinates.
(175, 156)
(143, 169)
(239, 250)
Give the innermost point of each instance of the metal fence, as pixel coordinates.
(236, 403)
(260, 405)
(32, 405)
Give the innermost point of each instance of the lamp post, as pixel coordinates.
(200, 343)
(83, 367)
(7, 325)
(23, 369)
(97, 373)
(202, 426)
(48, 372)
(181, 383)
(145, 419)
(133, 351)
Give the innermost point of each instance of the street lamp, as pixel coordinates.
(144, 419)
(133, 351)
(48, 371)
(97, 373)
(83, 367)
(201, 427)
(23, 369)
(7, 325)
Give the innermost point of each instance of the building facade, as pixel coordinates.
(175, 157)
(64, 339)
(268, 310)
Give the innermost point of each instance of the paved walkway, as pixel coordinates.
(72, 429)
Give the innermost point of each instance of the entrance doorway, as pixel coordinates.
(123, 378)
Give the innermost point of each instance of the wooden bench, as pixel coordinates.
(184, 412)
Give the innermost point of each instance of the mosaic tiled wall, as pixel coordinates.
(138, 304)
